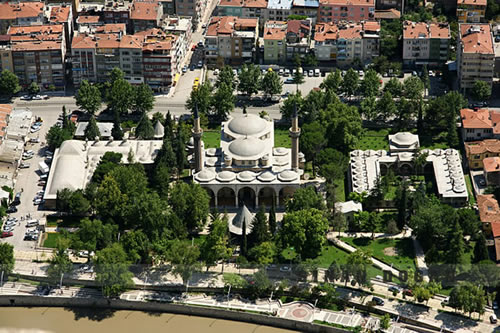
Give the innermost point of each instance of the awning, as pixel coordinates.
(177, 77)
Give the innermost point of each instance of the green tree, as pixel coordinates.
(137, 246)
(201, 98)
(56, 136)
(259, 284)
(249, 79)
(370, 85)
(304, 230)
(350, 83)
(216, 247)
(9, 83)
(343, 126)
(93, 235)
(333, 273)
(161, 180)
(402, 204)
(260, 230)
(332, 82)
(312, 141)
(6, 258)
(59, 265)
(33, 88)
(455, 246)
(121, 96)
(452, 135)
(294, 100)
(394, 86)
(112, 270)
(227, 77)
(480, 249)
(223, 102)
(271, 83)
(143, 98)
(481, 90)
(385, 322)
(180, 152)
(356, 267)
(413, 90)
(298, 77)
(424, 76)
(116, 131)
(92, 131)
(386, 106)
(263, 253)
(332, 164)
(78, 205)
(144, 129)
(272, 217)
(244, 241)
(184, 259)
(88, 97)
(369, 108)
(110, 201)
(191, 204)
(305, 198)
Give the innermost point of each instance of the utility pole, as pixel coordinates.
(1, 282)
(60, 282)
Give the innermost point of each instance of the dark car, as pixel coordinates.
(17, 199)
(11, 209)
(378, 300)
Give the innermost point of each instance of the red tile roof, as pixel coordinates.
(348, 2)
(144, 11)
(255, 4)
(12, 11)
(489, 211)
(485, 146)
(476, 38)
(231, 3)
(111, 28)
(87, 19)
(415, 30)
(332, 31)
(476, 119)
(37, 46)
(472, 2)
(491, 164)
(59, 14)
(275, 30)
(226, 25)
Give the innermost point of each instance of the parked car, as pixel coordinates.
(287, 72)
(408, 292)
(35, 140)
(38, 201)
(32, 223)
(26, 98)
(216, 71)
(184, 69)
(311, 73)
(394, 289)
(34, 129)
(493, 319)
(281, 72)
(200, 64)
(317, 72)
(6, 234)
(285, 269)
(495, 305)
(11, 209)
(8, 228)
(289, 80)
(378, 300)
(24, 165)
(42, 183)
(27, 157)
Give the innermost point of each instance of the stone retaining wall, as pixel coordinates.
(118, 304)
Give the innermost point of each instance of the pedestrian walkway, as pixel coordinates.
(420, 259)
(403, 234)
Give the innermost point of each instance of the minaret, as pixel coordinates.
(294, 134)
(197, 133)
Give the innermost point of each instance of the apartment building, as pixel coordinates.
(475, 54)
(298, 38)
(38, 54)
(344, 43)
(255, 9)
(477, 151)
(21, 13)
(307, 8)
(275, 42)
(117, 11)
(74, 4)
(182, 27)
(62, 14)
(278, 10)
(230, 8)
(168, 6)
(388, 4)
(230, 39)
(5, 54)
(345, 10)
(471, 11)
(425, 43)
(145, 15)
(193, 8)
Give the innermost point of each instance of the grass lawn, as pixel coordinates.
(374, 139)
(282, 138)
(339, 189)
(404, 259)
(51, 239)
(470, 189)
(211, 138)
(63, 221)
(433, 141)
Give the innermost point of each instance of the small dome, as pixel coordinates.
(246, 147)
(280, 161)
(226, 176)
(266, 176)
(280, 151)
(246, 176)
(404, 138)
(211, 161)
(211, 152)
(248, 124)
(205, 175)
(288, 176)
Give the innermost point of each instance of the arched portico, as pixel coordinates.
(226, 197)
(266, 196)
(285, 193)
(246, 196)
(213, 197)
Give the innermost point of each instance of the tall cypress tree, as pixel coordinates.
(92, 131)
(480, 249)
(402, 204)
(260, 231)
(116, 131)
(272, 218)
(169, 126)
(244, 239)
(144, 129)
(180, 151)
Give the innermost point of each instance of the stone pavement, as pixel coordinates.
(420, 259)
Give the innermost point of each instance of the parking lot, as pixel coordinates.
(27, 183)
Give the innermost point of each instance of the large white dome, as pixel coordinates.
(247, 147)
(248, 124)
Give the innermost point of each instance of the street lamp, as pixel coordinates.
(60, 281)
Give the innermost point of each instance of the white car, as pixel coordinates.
(311, 73)
(26, 98)
(8, 228)
(35, 140)
(281, 72)
(216, 71)
(34, 130)
(287, 72)
(37, 202)
(37, 97)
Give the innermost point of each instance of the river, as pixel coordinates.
(76, 320)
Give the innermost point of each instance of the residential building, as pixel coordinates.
(477, 151)
(389, 4)
(387, 14)
(38, 54)
(168, 6)
(475, 54)
(275, 42)
(75, 4)
(298, 38)
(425, 43)
(193, 8)
(480, 124)
(307, 8)
(62, 14)
(491, 171)
(84, 23)
(6, 54)
(471, 11)
(145, 15)
(230, 39)
(345, 10)
(181, 27)
(255, 9)
(278, 10)
(21, 13)
(230, 8)
(344, 43)
(117, 12)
